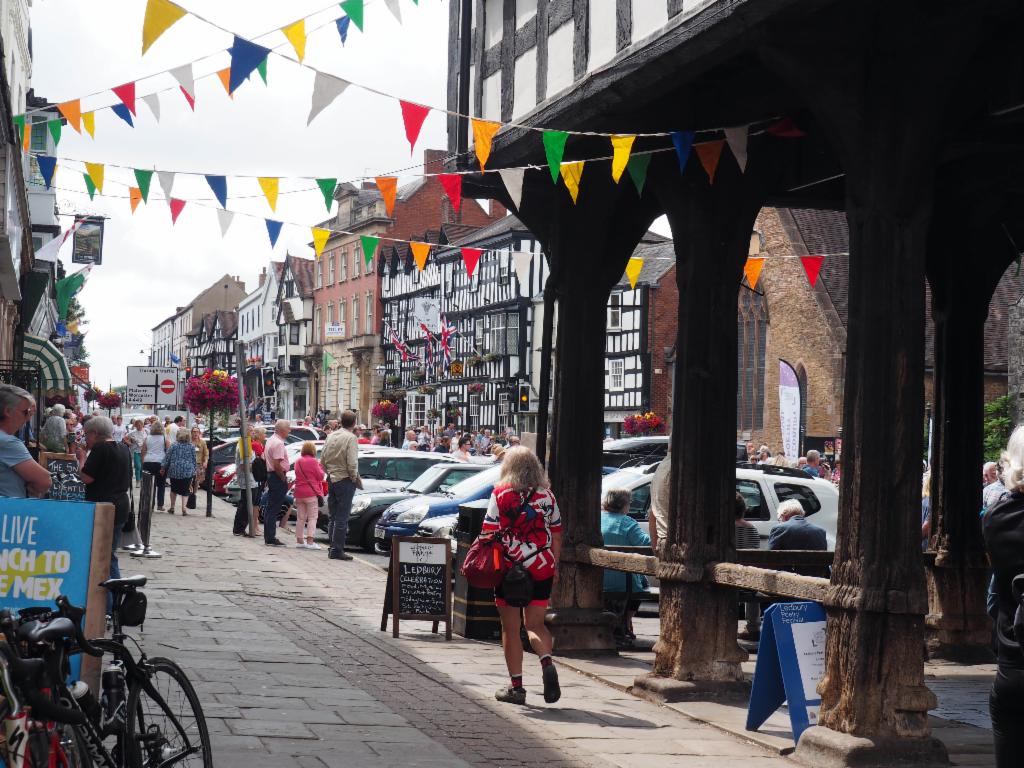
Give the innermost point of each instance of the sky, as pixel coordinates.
(150, 266)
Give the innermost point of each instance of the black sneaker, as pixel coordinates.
(552, 692)
(338, 556)
(276, 543)
(511, 695)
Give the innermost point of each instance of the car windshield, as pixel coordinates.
(476, 483)
(425, 482)
(624, 478)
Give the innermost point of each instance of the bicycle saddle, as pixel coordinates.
(38, 632)
(125, 584)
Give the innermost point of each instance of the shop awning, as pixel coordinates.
(56, 375)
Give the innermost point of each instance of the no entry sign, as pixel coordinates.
(167, 386)
(152, 386)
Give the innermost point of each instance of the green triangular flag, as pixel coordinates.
(369, 247)
(327, 187)
(354, 9)
(19, 120)
(262, 69)
(328, 360)
(54, 126)
(142, 178)
(89, 185)
(637, 167)
(554, 148)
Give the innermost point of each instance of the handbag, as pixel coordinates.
(487, 562)
(319, 498)
(191, 503)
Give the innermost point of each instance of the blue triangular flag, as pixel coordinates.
(683, 141)
(47, 165)
(274, 230)
(122, 111)
(245, 57)
(62, 329)
(343, 23)
(219, 185)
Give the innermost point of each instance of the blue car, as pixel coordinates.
(403, 517)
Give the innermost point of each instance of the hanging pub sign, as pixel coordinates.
(88, 246)
(457, 368)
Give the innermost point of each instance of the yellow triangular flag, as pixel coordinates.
(72, 110)
(269, 187)
(95, 171)
(483, 135)
(296, 34)
(89, 122)
(752, 269)
(571, 174)
(622, 146)
(633, 267)
(420, 251)
(161, 15)
(320, 237)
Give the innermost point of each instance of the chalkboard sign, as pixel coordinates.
(421, 578)
(67, 483)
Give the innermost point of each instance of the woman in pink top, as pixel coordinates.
(309, 483)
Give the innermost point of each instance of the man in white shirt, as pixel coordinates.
(119, 430)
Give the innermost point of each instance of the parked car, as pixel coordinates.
(632, 451)
(223, 476)
(404, 517)
(368, 506)
(440, 528)
(308, 433)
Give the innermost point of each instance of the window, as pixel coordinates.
(317, 324)
(293, 333)
(281, 339)
(330, 271)
(752, 331)
(497, 335)
(330, 312)
(615, 312)
(474, 411)
(355, 315)
(39, 134)
(369, 311)
(320, 273)
(750, 490)
(289, 289)
(512, 335)
(803, 494)
(355, 261)
(343, 264)
(478, 335)
(416, 410)
(616, 374)
(455, 476)
(640, 502)
(342, 318)
(503, 259)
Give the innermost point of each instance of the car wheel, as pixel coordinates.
(369, 544)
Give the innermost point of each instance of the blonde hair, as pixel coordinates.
(926, 485)
(1013, 461)
(520, 470)
(308, 449)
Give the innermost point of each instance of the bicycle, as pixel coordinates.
(137, 699)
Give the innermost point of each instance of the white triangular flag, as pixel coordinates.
(737, 140)
(513, 180)
(153, 102)
(326, 88)
(185, 79)
(166, 182)
(225, 218)
(396, 11)
(521, 260)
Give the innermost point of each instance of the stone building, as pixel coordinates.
(170, 336)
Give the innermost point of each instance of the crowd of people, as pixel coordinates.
(812, 463)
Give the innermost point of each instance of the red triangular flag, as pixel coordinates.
(471, 256)
(785, 129)
(189, 98)
(413, 115)
(176, 208)
(126, 93)
(452, 183)
(812, 266)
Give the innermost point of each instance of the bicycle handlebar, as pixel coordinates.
(76, 615)
(25, 674)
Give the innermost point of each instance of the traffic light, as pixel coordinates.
(269, 382)
(523, 398)
(188, 371)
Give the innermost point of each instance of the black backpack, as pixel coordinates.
(259, 469)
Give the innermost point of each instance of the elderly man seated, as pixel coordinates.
(794, 531)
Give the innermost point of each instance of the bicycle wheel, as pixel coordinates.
(169, 728)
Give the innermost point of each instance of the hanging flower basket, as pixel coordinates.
(476, 388)
(91, 394)
(392, 380)
(640, 424)
(491, 357)
(418, 375)
(427, 389)
(433, 414)
(474, 360)
(385, 410)
(211, 391)
(394, 395)
(109, 400)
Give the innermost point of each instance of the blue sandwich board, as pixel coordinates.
(790, 664)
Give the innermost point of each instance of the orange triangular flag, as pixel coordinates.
(26, 135)
(483, 135)
(709, 153)
(752, 269)
(72, 110)
(225, 80)
(134, 197)
(420, 251)
(388, 186)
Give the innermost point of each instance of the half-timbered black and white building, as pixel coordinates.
(211, 346)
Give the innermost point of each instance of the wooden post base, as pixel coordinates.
(668, 690)
(585, 631)
(957, 626)
(824, 748)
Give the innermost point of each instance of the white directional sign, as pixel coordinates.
(152, 386)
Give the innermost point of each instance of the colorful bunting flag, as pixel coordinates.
(262, 69)
(270, 185)
(633, 267)
(471, 257)
(785, 129)
(95, 171)
(245, 57)
(369, 247)
(512, 178)
(143, 179)
(327, 187)
(571, 174)
(89, 186)
(320, 237)
(176, 208)
(326, 88)
(24, 131)
(187, 83)
(420, 251)
(710, 152)
(189, 98)
(521, 260)
(126, 93)
(89, 123)
(153, 102)
(388, 186)
(166, 179)
(354, 11)
(342, 24)
(122, 111)
(224, 218)
(683, 142)
(72, 111)
(752, 270)
(134, 197)
(637, 168)
(413, 116)
(219, 185)
(483, 137)
(622, 146)
(737, 139)
(452, 183)
(161, 15)
(812, 266)
(296, 34)
(55, 130)
(396, 11)
(554, 149)
(224, 76)
(274, 230)
(47, 167)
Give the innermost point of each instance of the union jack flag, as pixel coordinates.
(429, 348)
(447, 332)
(403, 348)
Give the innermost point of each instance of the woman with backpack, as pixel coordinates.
(524, 514)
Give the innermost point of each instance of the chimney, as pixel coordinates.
(263, 277)
(433, 160)
(498, 210)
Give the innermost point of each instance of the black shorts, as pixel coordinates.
(541, 593)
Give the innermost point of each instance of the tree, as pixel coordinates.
(998, 425)
(76, 315)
